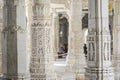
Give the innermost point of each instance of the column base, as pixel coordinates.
(99, 74)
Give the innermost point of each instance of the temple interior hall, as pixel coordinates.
(59, 39)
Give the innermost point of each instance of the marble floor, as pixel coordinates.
(60, 65)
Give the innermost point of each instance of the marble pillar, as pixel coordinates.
(9, 39)
(99, 63)
(41, 58)
(76, 58)
(116, 40)
(23, 55)
(55, 33)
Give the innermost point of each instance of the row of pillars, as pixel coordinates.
(39, 49)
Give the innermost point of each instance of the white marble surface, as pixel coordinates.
(60, 65)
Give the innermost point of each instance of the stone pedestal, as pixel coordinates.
(76, 58)
(99, 63)
(116, 40)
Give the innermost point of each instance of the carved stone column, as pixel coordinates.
(23, 54)
(116, 40)
(76, 58)
(9, 39)
(99, 63)
(41, 58)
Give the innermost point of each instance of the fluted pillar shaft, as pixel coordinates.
(99, 66)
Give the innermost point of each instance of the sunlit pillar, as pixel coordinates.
(99, 63)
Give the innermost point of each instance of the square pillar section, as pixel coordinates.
(99, 63)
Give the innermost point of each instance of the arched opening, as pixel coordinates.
(63, 35)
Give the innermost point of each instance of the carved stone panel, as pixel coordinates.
(40, 48)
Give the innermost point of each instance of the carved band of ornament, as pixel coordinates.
(91, 37)
(106, 51)
(41, 17)
(38, 76)
(92, 32)
(91, 51)
(42, 1)
(104, 37)
(41, 24)
(13, 29)
(38, 52)
(41, 9)
(104, 32)
(39, 4)
(38, 70)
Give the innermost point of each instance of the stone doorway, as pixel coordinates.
(63, 35)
